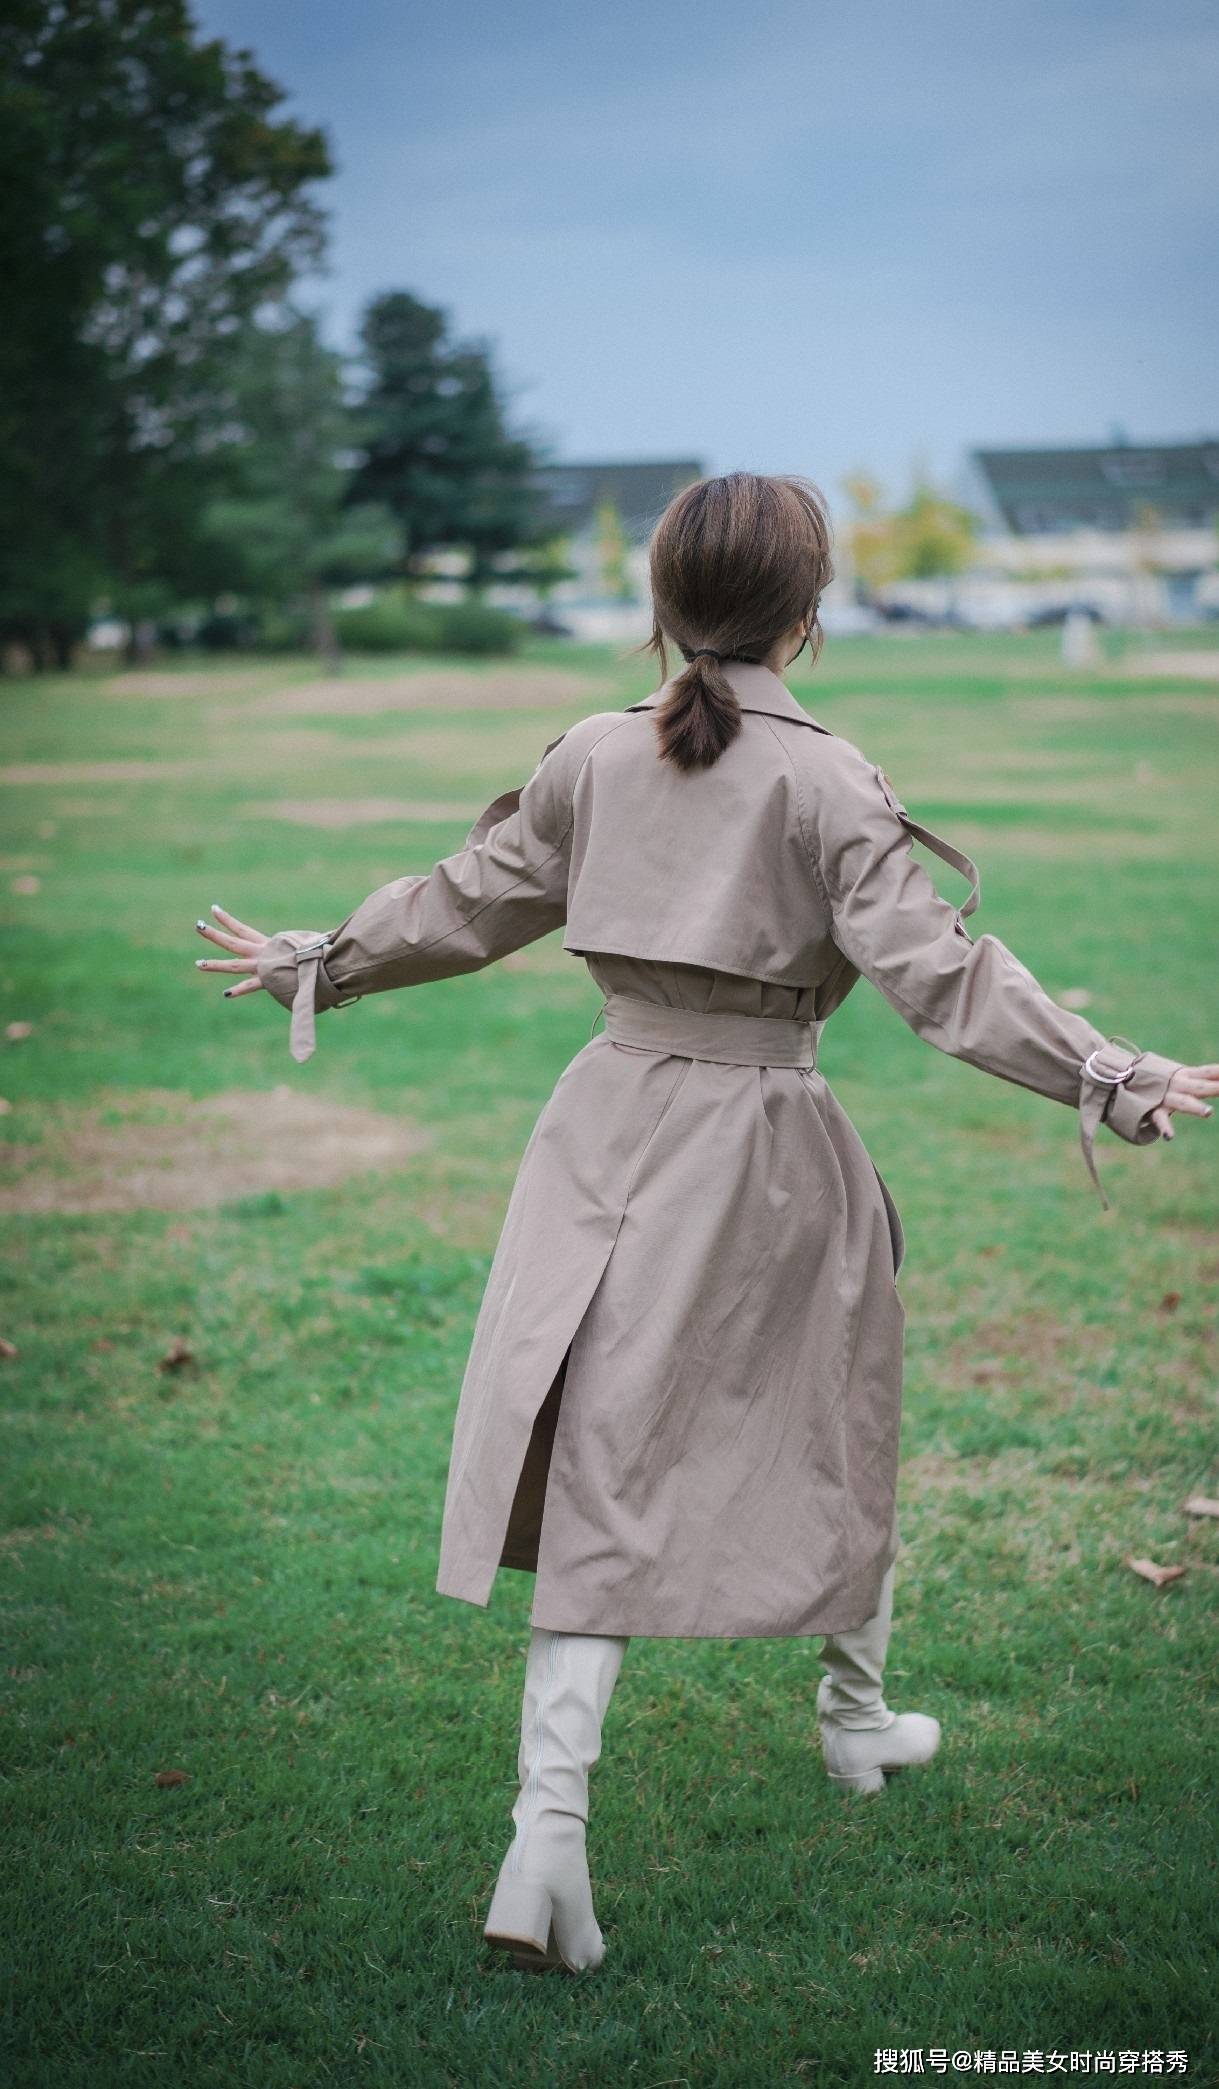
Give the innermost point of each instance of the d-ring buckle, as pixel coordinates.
(1107, 1080)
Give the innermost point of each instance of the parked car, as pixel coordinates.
(916, 618)
(1058, 612)
(548, 626)
(904, 613)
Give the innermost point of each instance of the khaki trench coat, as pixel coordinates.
(682, 1401)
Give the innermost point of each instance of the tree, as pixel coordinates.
(152, 203)
(935, 535)
(1145, 535)
(279, 530)
(436, 450)
(870, 533)
(612, 550)
(931, 536)
(544, 566)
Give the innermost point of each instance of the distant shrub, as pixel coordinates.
(391, 624)
(227, 633)
(283, 631)
(474, 627)
(401, 623)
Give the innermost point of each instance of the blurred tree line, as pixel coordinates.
(173, 431)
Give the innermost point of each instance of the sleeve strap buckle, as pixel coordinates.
(1110, 1079)
(1099, 1079)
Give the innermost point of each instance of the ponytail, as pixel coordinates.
(700, 716)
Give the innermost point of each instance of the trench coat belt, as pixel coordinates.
(722, 1035)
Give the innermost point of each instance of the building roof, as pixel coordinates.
(1102, 487)
(572, 493)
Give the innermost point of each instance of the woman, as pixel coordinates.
(682, 1402)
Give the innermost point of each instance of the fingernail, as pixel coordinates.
(200, 962)
(229, 990)
(200, 924)
(216, 907)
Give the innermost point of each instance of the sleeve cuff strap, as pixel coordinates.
(1120, 1086)
(291, 966)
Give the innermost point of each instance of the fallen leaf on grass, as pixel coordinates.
(27, 886)
(8, 1349)
(16, 1031)
(1170, 1301)
(1201, 1505)
(167, 1778)
(176, 1356)
(1075, 997)
(6, 1107)
(1151, 1572)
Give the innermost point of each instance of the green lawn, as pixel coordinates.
(227, 1569)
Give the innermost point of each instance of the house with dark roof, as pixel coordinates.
(1049, 492)
(598, 517)
(603, 515)
(573, 495)
(1128, 531)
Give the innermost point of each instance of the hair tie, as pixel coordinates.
(709, 650)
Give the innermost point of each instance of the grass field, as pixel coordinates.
(225, 1566)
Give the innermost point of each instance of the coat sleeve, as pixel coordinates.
(505, 887)
(972, 998)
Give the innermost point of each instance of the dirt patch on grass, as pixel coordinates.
(304, 745)
(361, 812)
(86, 808)
(137, 771)
(18, 1540)
(451, 757)
(506, 689)
(159, 1150)
(1099, 710)
(1184, 666)
(209, 682)
(1113, 846)
(1001, 790)
(1022, 1342)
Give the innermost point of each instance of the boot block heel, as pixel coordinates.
(521, 1920)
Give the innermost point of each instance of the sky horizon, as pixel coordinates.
(816, 241)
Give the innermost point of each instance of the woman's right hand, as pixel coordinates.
(1186, 1092)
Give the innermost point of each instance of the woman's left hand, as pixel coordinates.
(243, 941)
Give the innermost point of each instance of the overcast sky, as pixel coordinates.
(787, 236)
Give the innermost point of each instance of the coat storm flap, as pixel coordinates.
(682, 1401)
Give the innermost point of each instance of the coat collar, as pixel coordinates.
(756, 688)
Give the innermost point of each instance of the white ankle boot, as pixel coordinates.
(861, 1739)
(542, 1907)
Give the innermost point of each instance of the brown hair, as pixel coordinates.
(735, 562)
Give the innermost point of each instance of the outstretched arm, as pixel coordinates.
(504, 888)
(974, 999)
